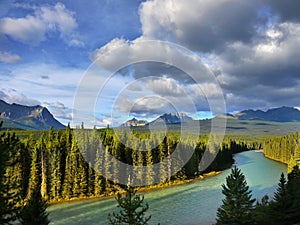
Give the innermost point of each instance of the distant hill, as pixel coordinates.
(282, 114)
(27, 117)
(134, 123)
(169, 118)
(226, 116)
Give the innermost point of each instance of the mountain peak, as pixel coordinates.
(134, 123)
(172, 118)
(27, 117)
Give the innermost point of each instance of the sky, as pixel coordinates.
(110, 60)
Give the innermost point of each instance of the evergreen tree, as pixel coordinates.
(262, 212)
(237, 206)
(35, 171)
(8, 197)
(100, 184)
(132, 210)
(34, 212)
(149, 162)
(293, 188)
(56, 175)
(281, 204)
(281, 197)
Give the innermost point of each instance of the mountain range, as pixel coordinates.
(167, 118)
(134, 123)
(27, 117)
(39, 118)
(281, 114)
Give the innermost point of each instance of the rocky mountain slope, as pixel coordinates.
(27, 117)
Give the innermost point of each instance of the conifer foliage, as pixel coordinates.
(34, 212)
(132, 210)
(10, 177)
(237, 206)
(281, 202)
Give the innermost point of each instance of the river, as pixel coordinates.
(189, 204)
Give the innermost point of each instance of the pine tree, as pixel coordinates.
(262, 212)
(237, 206)
(293, 188)
(149, 162)
(132, 210)
(34, 212)
(55, 176)
(99, 169)
(8, 197)
(281, 198)
(281, 203)
(35, 171)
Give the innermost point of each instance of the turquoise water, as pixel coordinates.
(194, 203)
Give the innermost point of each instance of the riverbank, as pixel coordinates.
(146, 189)
(182, 204)
(177, 182)
(268, 157)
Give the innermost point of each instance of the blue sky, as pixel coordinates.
(251, 48)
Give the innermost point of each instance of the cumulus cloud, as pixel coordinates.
(267, 70)
(166, 71)
(146, 106)
(45, 20)
(142, 58)
(7, 57)
(165, 87)
(250, 46)
(158, 95)
(200, 25)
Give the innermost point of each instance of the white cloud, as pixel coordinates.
(28, 29)
(240, 45)
(10, 95)
(152, 58)
(45, 20)
(52, 85)
(29, 79)
(145, 106)
(271, 61)
(7, 57)
(165, 86)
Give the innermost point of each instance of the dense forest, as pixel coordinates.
(65, 164)
(285, 149)
(54, 164)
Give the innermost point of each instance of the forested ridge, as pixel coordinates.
(285, 149)
(67, 164)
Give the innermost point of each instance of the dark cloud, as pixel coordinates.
(45, 77)
(252, 47)
(265, 72)
(288, 10)
(201, 25)
(155, 69)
